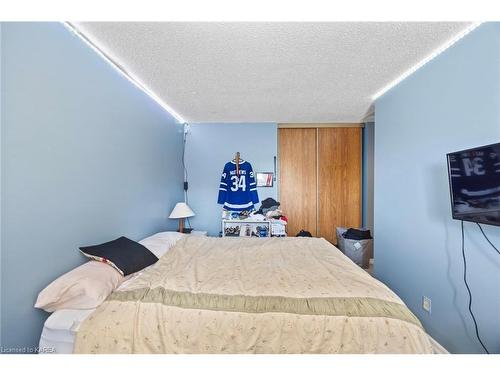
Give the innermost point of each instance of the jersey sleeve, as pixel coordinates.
(223, 186)
(254, 195)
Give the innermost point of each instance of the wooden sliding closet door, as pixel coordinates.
(339, 180)
(298, 178)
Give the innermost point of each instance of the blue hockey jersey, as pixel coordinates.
(238, 192)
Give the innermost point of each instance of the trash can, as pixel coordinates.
(340, 239)
(358, 250)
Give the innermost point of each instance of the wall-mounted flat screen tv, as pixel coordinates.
(474, 176)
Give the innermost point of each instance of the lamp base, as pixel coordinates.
(181, 225)
(183, 229)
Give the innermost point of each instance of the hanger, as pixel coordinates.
(237, 160)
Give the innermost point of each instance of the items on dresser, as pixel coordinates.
(253, 228)
(245, 228)
(278, 228)
(268, 204)
(268, 221)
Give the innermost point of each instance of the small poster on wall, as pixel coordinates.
(265, 179)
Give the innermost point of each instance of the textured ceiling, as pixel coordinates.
(279, 72)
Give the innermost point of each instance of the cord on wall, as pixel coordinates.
(468, 290)
(185, 171)
(185, 184)
(487, 239)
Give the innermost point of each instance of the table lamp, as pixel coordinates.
(181, 211)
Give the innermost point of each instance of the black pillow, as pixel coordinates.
(125, 255)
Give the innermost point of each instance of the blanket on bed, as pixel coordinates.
(246, 295)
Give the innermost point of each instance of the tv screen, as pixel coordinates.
(474, 176)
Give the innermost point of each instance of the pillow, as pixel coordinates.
(125, 255)
(160, 243)
(84, 287)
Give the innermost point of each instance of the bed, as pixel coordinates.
(247, 295)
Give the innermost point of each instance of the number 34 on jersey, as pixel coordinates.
(238, 191)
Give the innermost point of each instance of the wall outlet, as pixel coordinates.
(426, 304)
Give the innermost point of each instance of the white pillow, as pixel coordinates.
(87, 286)
(160, 243)
(84, 287)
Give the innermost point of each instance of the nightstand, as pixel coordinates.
(199, 233)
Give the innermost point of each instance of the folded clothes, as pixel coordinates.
(357, 234)
(274, 213)
(257, 217)
(268, 204)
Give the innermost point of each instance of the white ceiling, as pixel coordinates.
(278, 72)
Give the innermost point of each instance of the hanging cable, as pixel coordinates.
(468, 290)
(185, 185)
(185, 171)
(487, 239)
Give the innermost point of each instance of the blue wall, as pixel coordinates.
(451, 103)
(209, 147)
(368, 159)
(86, 157)
(1, 184)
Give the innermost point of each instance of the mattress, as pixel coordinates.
(59, 330)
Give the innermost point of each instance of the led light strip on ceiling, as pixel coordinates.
(129, 76)
(139, 84)
(433, 55)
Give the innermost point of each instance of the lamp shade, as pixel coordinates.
(181, 210)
